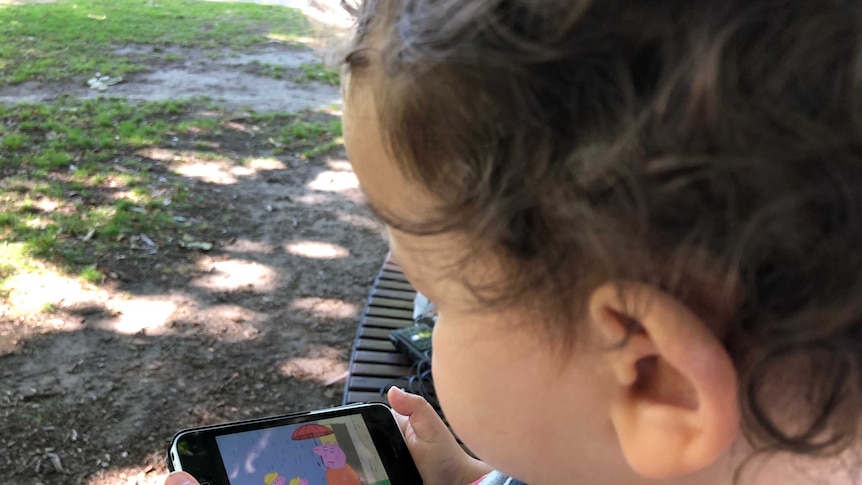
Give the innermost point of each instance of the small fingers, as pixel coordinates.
(425, 422)
(402, 420)
(405, 403)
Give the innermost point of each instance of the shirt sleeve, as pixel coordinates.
(496, 478)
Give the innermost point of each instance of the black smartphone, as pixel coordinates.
(414, 342)
(355, 444)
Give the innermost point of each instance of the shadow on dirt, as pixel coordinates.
(259, 325)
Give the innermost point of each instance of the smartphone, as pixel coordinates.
(414, 342)
(355, 444)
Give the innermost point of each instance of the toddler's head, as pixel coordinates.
(641, 223)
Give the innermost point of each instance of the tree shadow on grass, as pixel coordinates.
(176, 337)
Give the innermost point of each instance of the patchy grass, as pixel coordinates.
(306, 135)
(84, 181)
(319, 72)
(305, 73)
(37, 36)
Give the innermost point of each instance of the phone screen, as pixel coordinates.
(351, 445)
(335, 450)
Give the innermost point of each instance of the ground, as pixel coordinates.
(202, 261)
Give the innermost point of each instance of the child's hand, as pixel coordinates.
(180, 478)
(438, 456)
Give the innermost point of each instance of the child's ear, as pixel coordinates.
(676, 410)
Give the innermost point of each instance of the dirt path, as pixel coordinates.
(260, 325)
(234, 81)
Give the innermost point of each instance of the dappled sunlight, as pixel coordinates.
(321, 369)
(329, 13)
(233, 275)
(326, 307)
(334, 181)
(36, 222)
(158, 154)
(314, 199)
(150, 315)
(209, 167)
(339, 165)
(214, 172)
(47, 204)
(37, 287)
(130, 195)
(158, 315)
(364, 222)
(264, 164)
(243, 320)
(316, 250)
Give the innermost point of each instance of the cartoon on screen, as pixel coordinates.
(337, 451)
(275, 479)
(338, 472)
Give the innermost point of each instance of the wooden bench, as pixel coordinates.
(375, 364)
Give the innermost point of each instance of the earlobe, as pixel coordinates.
(676, 410)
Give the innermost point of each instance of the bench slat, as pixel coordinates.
(374, 357)
(379, 370)
(393, 276)
(394, 285)
(379, 345)
(375, 333)
(375, 384)
(381, 302)
(390, 313)
(383, 322)
(390, 265)
(397, 294)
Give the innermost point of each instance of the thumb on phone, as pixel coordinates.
(180, 478)
(422, 418)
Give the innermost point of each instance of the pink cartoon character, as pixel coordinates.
(338, 472)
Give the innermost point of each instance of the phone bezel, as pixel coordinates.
(385, 434)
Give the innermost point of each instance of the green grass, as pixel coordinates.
(303, 134)
(91, 274)
(70, 196)
(319, 72)
(37, 36)
(75, 189)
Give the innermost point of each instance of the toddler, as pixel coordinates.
(641, 223)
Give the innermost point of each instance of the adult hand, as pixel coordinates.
(439, 458)
(180, 478)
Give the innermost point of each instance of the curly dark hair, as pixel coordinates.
(588, 141)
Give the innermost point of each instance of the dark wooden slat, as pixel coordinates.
(378, 345)
(393, 275)
(394, 285)
(374, 333)
(392, 266)
(388, 322)
(374, 357)
(396, 294)
(389, 312)
(379, 370)
(380, 302)
(353, 397)
(358, 383)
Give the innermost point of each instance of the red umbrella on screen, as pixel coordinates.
(311, 431)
